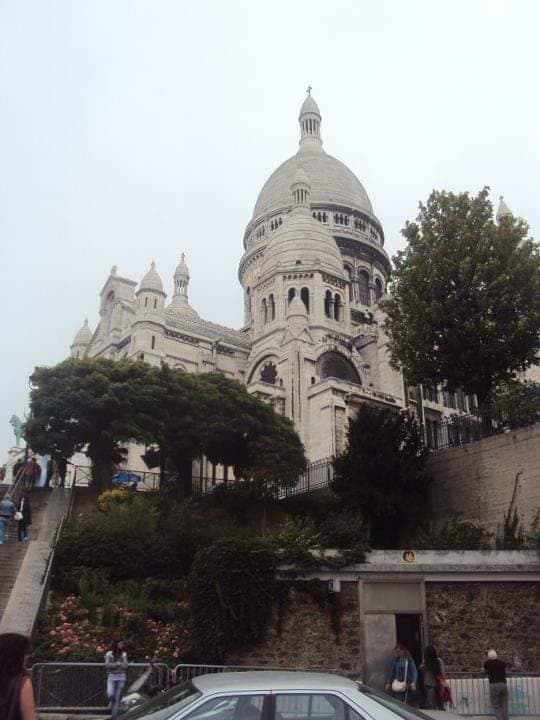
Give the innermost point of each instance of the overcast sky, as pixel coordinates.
(130, 131)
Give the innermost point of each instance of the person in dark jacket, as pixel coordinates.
(428, 672)
(498, 690)
(402, 675)
(32, 472)
(7, 511)
(16, 693)
(26, 511)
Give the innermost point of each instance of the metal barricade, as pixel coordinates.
(71, 687)
(470, 694)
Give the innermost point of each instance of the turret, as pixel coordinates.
(81, 341)
(150, 295)
(180, 303)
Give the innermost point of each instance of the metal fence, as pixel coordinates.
(319, 474)
(470, 694)
(71, 687)
(460, 430)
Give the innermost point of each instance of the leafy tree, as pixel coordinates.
(465, 307)
(516, 403)
(381, 473)
(215, 416)
(95, 406)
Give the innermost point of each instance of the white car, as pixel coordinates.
(274, 695)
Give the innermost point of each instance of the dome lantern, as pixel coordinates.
(180, 303)
(310, 121)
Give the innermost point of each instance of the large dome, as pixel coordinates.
(331, 183)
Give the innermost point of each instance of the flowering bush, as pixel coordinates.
(66, 633)
(111, 498)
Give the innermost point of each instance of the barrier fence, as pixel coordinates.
(72, 687)
(470, 693)
(80, 687)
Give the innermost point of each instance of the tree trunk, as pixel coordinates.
(184, 483)
(102, 468)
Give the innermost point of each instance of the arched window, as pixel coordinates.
(337, 307)
(145, 302)
(264, 311)
(248, 303)
(153, 342)
(155, 303)
(333, 364)
(363, 287)
(378, 289)
(304, 297)
(292, 293)
(269, 373)
(271, 308)
(328, 304)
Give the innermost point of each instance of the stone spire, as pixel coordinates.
(310, 122)
(181, 283)
(503, 210)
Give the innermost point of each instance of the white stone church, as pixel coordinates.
(313, 271)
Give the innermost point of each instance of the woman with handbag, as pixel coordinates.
(16, 693)
(402, 675)
(24, 517)
(430, 675)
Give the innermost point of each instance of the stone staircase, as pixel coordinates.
(48, 507)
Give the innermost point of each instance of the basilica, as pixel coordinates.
(313, 271)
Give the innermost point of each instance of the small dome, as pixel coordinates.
(302, 243)
(309, 106)
(503, 210)
(84, 335)
(182, 269)
(152, 281)
(296, 308)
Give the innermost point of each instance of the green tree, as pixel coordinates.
(213, 416)
(465, 306)
(516, 403)
(93, 406)
(381, 473)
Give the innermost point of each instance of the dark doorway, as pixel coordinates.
(409, 632)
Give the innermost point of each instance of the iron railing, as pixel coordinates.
(458, 430)
(318, 475)
(470, 693)
(71, 687)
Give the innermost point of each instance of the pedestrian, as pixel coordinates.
(498, 690)
(430, 673)
(7, 511)
(25, 510)
(18, 468)
(62, 470)
(32, 472)
(402, 675)
(116, 665)
(16, 692)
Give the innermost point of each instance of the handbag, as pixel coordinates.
(442, 689)
(399, 686)
(18, 513)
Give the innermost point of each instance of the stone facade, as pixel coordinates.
(313, 271)
(462, 602)
(476, 481)
(307, 639)
(464, 620)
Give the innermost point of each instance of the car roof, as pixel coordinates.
(265, 680)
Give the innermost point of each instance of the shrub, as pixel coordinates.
(455, 534)
(343, 529)
(231, 589)
(111, 498)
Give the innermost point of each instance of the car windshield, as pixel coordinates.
(180, 696)
(405, 711)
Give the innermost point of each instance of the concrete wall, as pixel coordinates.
(477, 480)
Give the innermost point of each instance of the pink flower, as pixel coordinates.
(52, 632)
